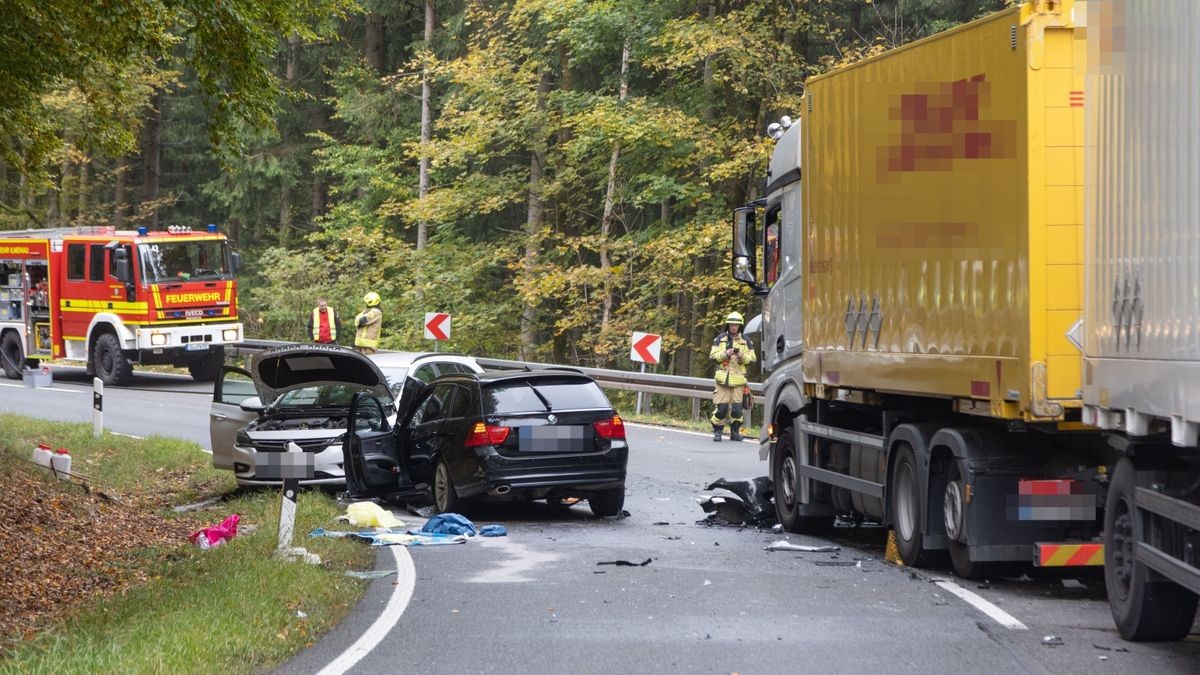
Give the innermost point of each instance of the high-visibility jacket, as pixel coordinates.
(731, 372)
(315, 324)
(367, 333)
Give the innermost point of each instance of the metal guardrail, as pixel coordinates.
(650, 383)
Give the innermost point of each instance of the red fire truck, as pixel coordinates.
(115, 298)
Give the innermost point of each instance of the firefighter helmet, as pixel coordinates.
(734, 317)
(371, 299)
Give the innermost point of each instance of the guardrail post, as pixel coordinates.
(97, 407)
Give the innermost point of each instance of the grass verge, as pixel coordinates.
(144, 599)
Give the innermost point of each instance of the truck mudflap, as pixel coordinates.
(1068, 555)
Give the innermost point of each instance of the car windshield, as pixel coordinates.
(533, 396)
(320, 396)
(395, 377)
(184, 260)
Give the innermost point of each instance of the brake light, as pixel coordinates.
(485, 434)
(610, 428)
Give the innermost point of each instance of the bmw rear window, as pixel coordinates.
(506, 398)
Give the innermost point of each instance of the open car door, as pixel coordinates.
(371, 450)
(226, 417)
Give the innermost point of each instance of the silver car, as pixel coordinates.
(309, 388)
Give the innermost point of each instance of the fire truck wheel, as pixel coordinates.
(111, 365)
(1144, 608)
(11, 354)
(209, 369)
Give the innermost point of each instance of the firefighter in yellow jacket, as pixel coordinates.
(732, 352)
(367, 325)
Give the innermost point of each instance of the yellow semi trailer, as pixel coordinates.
(919, 257)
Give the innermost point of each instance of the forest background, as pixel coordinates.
(555, 174)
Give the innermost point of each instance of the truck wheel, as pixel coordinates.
(785, 476)
(11, 354)
(607, 503)
(908, 509)
(1144, 610)
(109, 361)
(960, 553)
(209, 369)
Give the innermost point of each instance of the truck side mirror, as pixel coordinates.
(235, 262)
(121, 265)
(744, 268)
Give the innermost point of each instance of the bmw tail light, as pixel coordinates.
(485, 434)
(613, 428)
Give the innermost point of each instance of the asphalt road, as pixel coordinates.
(710, 600)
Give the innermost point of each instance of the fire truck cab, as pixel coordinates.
(113, 299)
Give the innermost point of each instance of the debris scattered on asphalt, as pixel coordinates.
(1074, 585)
(789, 546)
(626, 563)
(753, 504)
(707, 583)
(493, 531)
(836, 563)
(370, 574)
(777, 528)
(1052, 641)
(449, 523)
(427, 511)
(620, 516)
(212, 537)
(1103, 658)
(396, 536)
(1110, 649)
(369, 514)
(939, 603)
(662, 522)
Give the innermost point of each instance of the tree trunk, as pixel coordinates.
(120, 206)
(535, 217)
(373, 47)
(285, 215)
(426, 125)
(152, 157)
(708, 74)
(564, 59)
(610, 196)
(293, 50)
(82, 187)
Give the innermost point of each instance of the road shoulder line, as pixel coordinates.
(406, 581)
(975, 600)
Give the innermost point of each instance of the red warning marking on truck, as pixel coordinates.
(1068, 555)
(1076, 99)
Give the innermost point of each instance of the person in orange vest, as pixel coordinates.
(732, 352)
(323, 324)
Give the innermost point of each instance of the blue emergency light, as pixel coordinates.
(143, 230)
(212, 227)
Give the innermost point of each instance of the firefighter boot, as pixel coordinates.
(717, 432)
(735, 431)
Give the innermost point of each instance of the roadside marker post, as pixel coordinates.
(97, 407)
(437, 327)
(646, 348)
(291, 466)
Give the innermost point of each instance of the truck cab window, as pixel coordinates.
(96, 262)
(76, 260)
(771, 246)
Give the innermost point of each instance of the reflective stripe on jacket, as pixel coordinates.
(731, 372)
(367, 335)
(316, 323)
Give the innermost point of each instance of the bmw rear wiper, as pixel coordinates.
(541, 398)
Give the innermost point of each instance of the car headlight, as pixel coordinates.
(229, 334)
(158, 339)
(243, 439)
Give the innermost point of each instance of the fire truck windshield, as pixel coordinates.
(184, 261)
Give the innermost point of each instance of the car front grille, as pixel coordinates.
(307, 445)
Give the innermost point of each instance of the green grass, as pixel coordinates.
(233, 609)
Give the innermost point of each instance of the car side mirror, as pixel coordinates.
(252, 404)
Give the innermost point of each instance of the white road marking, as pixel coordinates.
(406, 581)
(117, 433)
(994, 613)
(69, 391)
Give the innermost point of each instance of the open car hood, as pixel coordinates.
(280, 370)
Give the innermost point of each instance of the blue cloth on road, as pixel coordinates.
(493, 531)
(449, 523)
(394, 536)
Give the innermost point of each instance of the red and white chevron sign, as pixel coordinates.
(437, 326)
(646, 347)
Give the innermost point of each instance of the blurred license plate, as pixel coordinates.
(554, 439)
(196, 346)
(282, 465)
